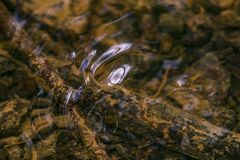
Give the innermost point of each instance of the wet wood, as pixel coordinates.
(186, 133)
(161, 122)
(87, 135)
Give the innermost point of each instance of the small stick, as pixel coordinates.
(88, 135)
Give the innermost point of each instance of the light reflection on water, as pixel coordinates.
(118, 75)
(109, 54)
(115, 74)
(122, 65)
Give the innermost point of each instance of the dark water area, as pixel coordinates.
(132, 54)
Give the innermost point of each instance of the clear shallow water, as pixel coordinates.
(113, 67)
(184, 51)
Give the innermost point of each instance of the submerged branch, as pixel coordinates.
(188, 134)
(50, 76)
(159, 121)
(88, 135)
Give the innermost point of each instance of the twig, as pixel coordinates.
(88, 136)
(51, 77)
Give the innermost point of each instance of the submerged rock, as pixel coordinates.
(210, 78)
(11, 113)
(223, 4)
(170, 23)
(228, 19)
(203, 90)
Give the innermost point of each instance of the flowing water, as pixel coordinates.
(186, 52)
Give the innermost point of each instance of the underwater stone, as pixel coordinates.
(236, 6)
(223, 4)
(11, 113)
(170, 23)
(228, 19)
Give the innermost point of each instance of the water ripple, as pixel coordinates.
(118, 75)
(110, 53)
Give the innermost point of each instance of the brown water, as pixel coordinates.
(185, 51)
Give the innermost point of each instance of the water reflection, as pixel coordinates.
(118, 75)
(84, 65)
(25, 138)
(171, 64)
(108, 30)
(120, 67)
(109, 54)
(105, 68)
